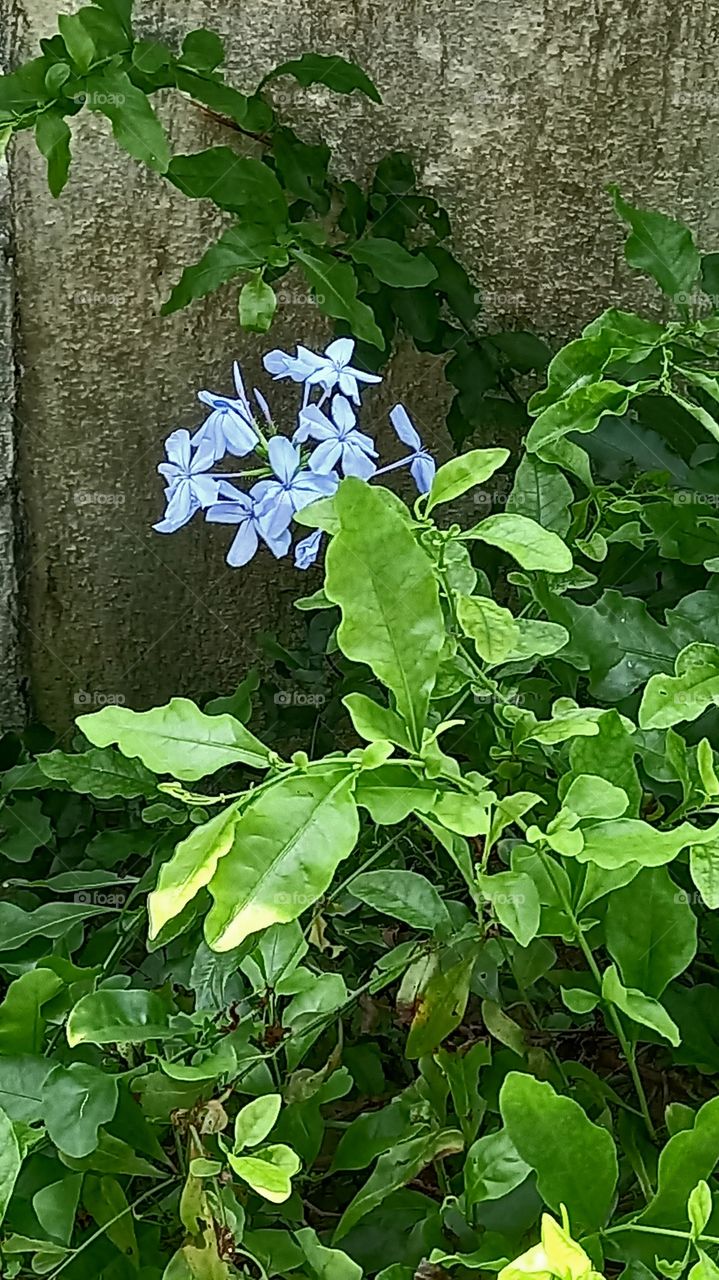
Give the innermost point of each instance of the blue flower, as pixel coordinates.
(340, 440)
(243, 509)
(307, 550)
(298, 367)
(229, 427)
(421, 463)
(188, 488)
(333, 369)
(293, 489)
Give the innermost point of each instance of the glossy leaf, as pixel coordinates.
(527, 542)
(668, 700)
(100, 773)
(463, 473)
(191, 867)
(574, 1159)
(178, 738)
(394, 1169)
(10, 1161)
(335, 286)
(391, 263)
(118, 1017)
(651, 931)
(288, 845)
(331, 70)
(385, 587)
(76, 1100)
(404, 895)
(638, 1006)
(660, 246)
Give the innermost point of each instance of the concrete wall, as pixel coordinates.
(518, 112)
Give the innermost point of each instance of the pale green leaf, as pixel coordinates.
(178, 738)
(526, 541)
(287, 847)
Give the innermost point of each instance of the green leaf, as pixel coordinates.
(119, 1017)
(531, 546)
(376, 723)
(191, 867)
(255, 1120)
(202, 50)
(620, 841)
(333, 71)
(651, 931)
(699, 1208)
(288, 846)
(403, 894)
(119, 9)
(581, 409)
(106, 1201)
(392, 792)
(688, 1156)
(461, 474)
(638, 1006)
(493, 1168)
(542, 493)
(515, 902)
(592, 797)
(436, 990)
(24, 829)
(55, 1206)
(78, 41)
(578, 1000)
(395, 1169)
(489, 625)
(386, 589)
(269, 1173)
(76, 1100)
(22, 1024)
(53, 920)
(134, 123)
(574, 1159)
(21, 1080)
(241, 248)
(391, 263)
(704, 866)
(52, 135)
(667, 700)
(324, 1263)
(334, 284)
(660, 246)
(258, 304)
(102, 773)
(10, 1161)
(178, 738)
(241, 184)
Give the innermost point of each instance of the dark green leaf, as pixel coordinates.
(333, 71)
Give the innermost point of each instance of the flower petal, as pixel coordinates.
(284, 458)
(340, 351)
(326, 456)
(355, 462)
(404, 427)
(177, 448)
(307, 550)
(243, 545)
(423, 469)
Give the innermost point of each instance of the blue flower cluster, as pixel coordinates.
(288, 474)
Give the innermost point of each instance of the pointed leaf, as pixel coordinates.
(288, 845)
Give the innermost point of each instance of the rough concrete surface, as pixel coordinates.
(518, 113)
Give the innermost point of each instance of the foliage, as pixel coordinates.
(396, 1000)
(376, 259)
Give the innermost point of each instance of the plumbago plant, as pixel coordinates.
(443, 999)
(376, 260)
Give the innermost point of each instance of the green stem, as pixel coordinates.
(660, 1231)
(610, 1012)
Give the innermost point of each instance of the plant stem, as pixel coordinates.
(610, 1011)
